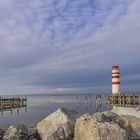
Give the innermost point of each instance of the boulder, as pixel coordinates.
(58, 125)
(19, 132)
(129, 119)
(99, 126)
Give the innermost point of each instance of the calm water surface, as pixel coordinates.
(39, 107)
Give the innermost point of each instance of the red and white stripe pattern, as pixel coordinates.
(115, 80)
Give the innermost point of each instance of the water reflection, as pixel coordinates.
(41, 106)
(92, 104)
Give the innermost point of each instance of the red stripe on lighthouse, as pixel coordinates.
(115, 67)
(115, 76)
(117, 83)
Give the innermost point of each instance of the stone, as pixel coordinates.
(19, 132)
(131, 124)
(33, 134)
(99, 126)
(129, 111)
(1, 133)
(129, 119)
(58, 126)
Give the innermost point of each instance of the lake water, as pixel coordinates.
(38, 107)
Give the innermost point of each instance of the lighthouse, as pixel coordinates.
(115, 80)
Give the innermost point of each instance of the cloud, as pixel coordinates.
(56, 44)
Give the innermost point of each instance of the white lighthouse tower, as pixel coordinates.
(115, 80)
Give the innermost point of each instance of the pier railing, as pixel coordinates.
(10, 103)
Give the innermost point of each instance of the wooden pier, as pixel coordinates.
(123, 100)
(10, 103)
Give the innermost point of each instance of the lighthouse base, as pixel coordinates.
(116, 94)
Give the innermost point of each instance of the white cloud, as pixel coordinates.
(42, 41)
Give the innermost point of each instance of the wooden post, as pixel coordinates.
(86, 102)
(89, 101)
(11, 106)
(139, 100)
(120, 101)
(129, 100)
(2, 105)
(123, 100)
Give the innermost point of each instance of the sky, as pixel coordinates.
(68, 46)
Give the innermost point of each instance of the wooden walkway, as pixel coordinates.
(123, 100)
(10, 103)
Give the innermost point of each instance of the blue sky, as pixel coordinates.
(68, 46)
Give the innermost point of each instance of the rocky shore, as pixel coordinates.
(120, 123)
